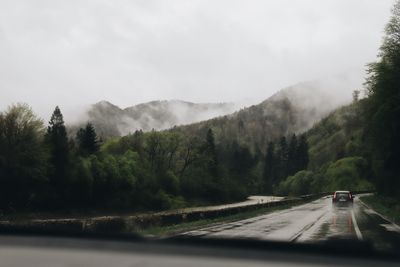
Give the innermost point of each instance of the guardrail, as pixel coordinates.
(115, 224)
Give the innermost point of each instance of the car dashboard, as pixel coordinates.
(38, 250)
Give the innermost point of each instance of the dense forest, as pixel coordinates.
(44, 169)
(220, 160)
(337, 155)
(265, 149)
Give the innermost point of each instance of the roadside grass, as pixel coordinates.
(389, 207)
(164, 231)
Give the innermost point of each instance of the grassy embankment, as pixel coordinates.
(388, 207)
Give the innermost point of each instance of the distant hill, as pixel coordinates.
(291, 110)
(110, 120)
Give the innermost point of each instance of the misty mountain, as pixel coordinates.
(110, 120)
(294, 109)
(336, 136)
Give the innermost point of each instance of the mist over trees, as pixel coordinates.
(263, 149)
(357, 147)
(113, 121)
(140, 171)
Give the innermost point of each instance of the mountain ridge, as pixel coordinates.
(293, 109)
(298, 106)
(111, 120)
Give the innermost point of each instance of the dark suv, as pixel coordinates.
(342, 198)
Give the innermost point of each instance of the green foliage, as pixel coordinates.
(348, 174)
(283, 160)
(114, 146)
(345, 174)
(383, 109)
(87, 140)
(23, 159)
(300, 157)
(253, 127)
(211, 151)
(338, 135)
(81, 184)
(298, 184)
(57, 141)
(269, 170)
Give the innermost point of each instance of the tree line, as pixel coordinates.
(42, 168)
(284, 159)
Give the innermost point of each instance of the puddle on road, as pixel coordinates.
(338, 224)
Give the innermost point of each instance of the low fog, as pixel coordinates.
(77, 53)
(111, 120)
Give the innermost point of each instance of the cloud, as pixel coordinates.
(73, 53)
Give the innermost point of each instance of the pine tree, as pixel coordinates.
(212, 152)
(87, 140)
(282, 158)
(293, 165)
(56, 138)
(269, 167)
(302, 154)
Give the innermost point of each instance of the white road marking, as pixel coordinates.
(393, 226)
(358, 232)
(390, 227)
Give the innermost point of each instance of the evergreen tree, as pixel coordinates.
(212, 152)
(138, 142)
(269, 167)
(282, 157)
(87, 140)
(293, 160)
(243, 160)
(302, 154)
(56, 138)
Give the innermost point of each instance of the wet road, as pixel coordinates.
(314, 221)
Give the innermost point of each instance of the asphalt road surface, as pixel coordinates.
(314, 221)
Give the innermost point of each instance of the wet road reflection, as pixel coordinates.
(338, 223)
(315, 221)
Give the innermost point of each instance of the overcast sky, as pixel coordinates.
(72, 53)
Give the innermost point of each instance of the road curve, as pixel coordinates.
(314, 221)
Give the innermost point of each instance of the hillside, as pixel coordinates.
(110, 120)
(337, 155)
(336, 136)
(291, 110)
